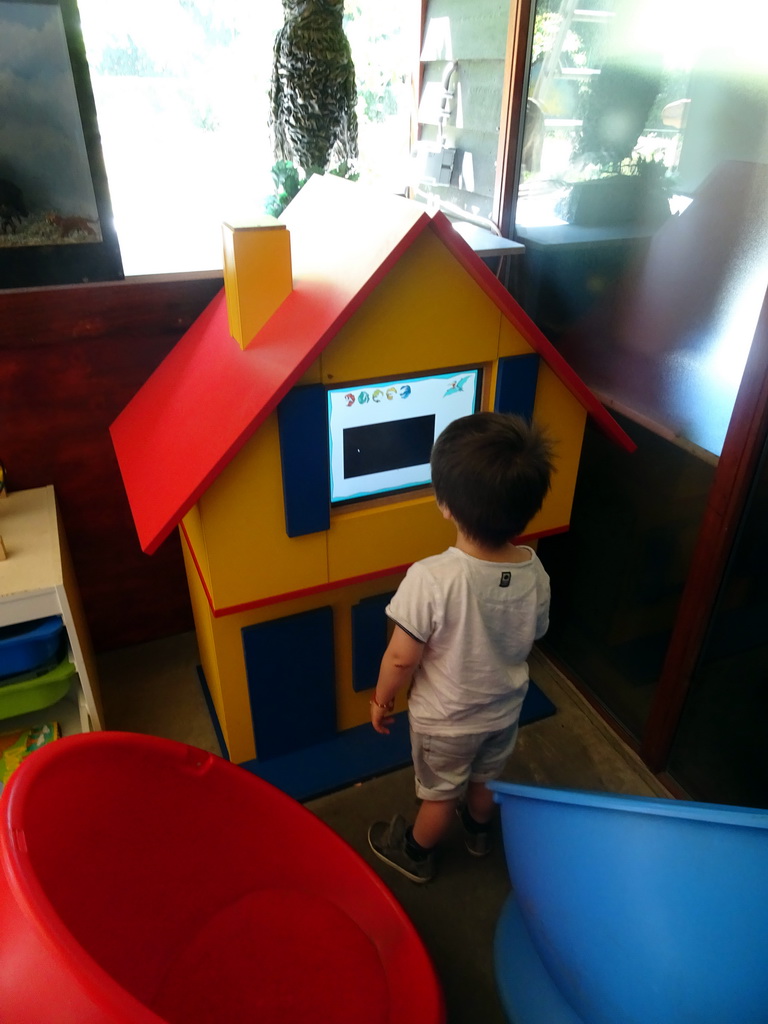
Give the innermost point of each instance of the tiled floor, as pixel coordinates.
(153, 688)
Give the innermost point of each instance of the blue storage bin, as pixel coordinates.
(26, 646)
(632, 910)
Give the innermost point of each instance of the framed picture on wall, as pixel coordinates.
(55, 214)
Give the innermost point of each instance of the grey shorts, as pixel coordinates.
(445, 764)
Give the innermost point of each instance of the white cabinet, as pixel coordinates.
(37, 580)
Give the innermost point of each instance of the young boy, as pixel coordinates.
(465, 622)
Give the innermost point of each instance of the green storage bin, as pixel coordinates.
(31, 692)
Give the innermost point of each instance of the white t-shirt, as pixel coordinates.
(478, 621)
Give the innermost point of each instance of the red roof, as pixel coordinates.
(209, 396)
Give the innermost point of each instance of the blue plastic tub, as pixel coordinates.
(29, 645)
(632, 910)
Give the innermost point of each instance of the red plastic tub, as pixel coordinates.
(142, 880)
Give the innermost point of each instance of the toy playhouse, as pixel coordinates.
(287, 435)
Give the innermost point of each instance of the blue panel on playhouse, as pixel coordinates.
(639, 909)
(536, 705)
(369, 639)
(360, 753)
(348, 757)
(291, 674)
(302, 420)
(516, 385)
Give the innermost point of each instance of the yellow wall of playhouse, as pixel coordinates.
(564, 418)
(239, 537)
(428, 314)
(237, 530)
(248, 553)
(220, 646)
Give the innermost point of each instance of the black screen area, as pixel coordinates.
(386, 446)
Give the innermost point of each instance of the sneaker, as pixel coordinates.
(478, 843)
(388, 843)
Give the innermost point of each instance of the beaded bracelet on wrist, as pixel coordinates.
(383, 707)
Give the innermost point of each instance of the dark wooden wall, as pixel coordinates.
(70, 360)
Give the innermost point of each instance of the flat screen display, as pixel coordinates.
(381, 434)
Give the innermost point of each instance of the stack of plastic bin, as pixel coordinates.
(35, 670)
(632, 910)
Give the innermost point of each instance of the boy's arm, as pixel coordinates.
(400, 661)
(542, 611)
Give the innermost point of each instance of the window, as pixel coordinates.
(642, 202)
(182, 95)
(653, 97)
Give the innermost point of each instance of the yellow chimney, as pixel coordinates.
(257, 274)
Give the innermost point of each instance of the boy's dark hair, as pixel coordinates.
(492, 471)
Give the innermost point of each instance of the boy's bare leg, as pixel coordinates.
(480, 802)
(433, 821)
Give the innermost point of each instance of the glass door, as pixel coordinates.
(643, 205)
